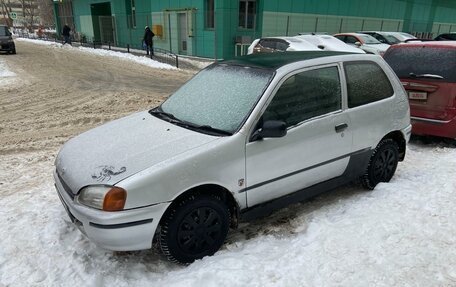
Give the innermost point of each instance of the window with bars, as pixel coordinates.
(210, 13)
(247, 14)
(133, 13)
(130, 9)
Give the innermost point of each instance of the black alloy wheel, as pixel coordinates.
(194, 228)
(382, 165)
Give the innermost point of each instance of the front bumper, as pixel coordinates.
(126, 230)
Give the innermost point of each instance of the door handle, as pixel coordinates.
(341, 127)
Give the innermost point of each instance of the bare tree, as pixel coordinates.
(6, 10)
(46, 12)
(29, 11)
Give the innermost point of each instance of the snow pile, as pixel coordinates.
(6, 76)
(400, 234)
(4, 72)
(143, 60)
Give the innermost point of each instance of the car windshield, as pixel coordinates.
(4, 31)
(367, 39)
(423, 60)
(392, 39)
(220, 97)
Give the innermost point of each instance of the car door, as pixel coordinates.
(317, 142)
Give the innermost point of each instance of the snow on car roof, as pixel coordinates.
(329, 43)
(276, 60)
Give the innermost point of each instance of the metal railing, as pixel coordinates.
(160, 55)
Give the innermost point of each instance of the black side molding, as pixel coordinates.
(120, 225)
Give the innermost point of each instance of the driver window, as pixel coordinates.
(306, 95)
(351, 40)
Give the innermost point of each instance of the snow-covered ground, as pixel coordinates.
(401, 234)
(146, 61)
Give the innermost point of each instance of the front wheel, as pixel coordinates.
(195, 227)
(382, 165)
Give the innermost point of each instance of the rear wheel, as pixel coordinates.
(382, 165)
(195, 227)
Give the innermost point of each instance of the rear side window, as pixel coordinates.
(421, 60)
(366, 83)
(4, 31)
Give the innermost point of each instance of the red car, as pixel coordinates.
(427, 71)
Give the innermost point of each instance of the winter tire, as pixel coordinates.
(382, 164)
(195, 227)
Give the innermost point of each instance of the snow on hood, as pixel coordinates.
(379, 47)
(121, 148)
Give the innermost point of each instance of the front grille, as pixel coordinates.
(65, 186)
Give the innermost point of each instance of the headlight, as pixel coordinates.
(103, 197)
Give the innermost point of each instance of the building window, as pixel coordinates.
(133, 13)
(247, 14)
(210, 12)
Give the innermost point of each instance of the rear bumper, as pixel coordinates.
(121, 231)
(433, 127)
(7, 46)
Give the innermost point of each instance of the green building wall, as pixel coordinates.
(273, 18)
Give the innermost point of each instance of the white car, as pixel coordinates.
(239, 139)
(280, 44)
(389, 38)
(363, 41)
(329, 43)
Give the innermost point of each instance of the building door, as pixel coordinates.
(107, 29)
(182, 32)
(98, 11)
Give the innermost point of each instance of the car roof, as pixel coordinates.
(277, 60)
(435, 44)
(286, 38)
(349, 34)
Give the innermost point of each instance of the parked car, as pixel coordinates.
(389, 38)
(329, 43)
(365, 42)
(239, 139)
(446, 37)
(280, 44)
(6, 40)
(427, 71)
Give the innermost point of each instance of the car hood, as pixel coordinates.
(5, 38)
(121, 148)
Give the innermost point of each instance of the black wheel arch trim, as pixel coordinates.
(120, 225)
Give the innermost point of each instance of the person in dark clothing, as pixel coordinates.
(148, 41)
(66, 34)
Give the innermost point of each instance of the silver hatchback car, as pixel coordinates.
(241, 138)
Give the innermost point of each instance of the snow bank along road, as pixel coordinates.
(401, 234)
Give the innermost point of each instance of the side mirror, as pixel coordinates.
(358, 44)
(270, 129)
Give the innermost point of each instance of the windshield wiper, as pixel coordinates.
(163, 115)
(202, 128)
(430, 76)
